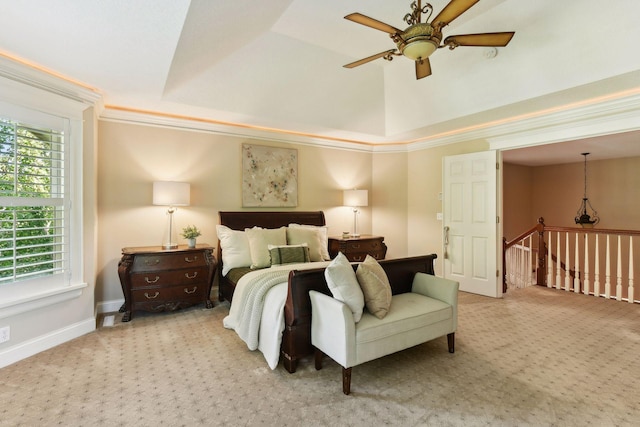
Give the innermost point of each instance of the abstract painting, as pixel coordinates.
(269, 176)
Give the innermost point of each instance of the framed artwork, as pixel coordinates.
(269, 176)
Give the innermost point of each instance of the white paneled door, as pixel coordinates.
(470, 222)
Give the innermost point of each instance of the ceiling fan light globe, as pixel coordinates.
(419, 49)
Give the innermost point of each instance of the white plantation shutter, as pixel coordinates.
(34, 215)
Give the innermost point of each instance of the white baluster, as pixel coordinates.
(567, 273)
(576, 278)
(630, 289)
(607, 271)
(596, 276)
(530, 263)
(549, 263)
(558, 264)
(619, 273)
(586, 264)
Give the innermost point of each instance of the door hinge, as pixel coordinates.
(497, 166)
(497, 273)
(497, 219)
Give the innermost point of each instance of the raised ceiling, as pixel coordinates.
(278, 64)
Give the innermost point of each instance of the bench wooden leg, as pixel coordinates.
(451, 340)
(346, 380)
(318, 359)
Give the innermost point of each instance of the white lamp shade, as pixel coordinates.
(356, 198)
(171, 193)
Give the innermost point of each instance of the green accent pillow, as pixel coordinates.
(289, 254)
(375, 287)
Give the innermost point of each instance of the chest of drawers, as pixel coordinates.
(357, 248)
(156, 279)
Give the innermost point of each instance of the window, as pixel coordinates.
(34, 239)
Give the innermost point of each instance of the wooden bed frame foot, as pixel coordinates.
(290, 364)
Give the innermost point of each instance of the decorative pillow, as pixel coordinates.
(344, 286)
(289, 254)
(308, 236)
(375, 287)
(323, 236)
(259, 241)
(234, 245)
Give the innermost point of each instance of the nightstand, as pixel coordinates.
(357, 248)
(156, 279)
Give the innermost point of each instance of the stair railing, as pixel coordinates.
(572, 259)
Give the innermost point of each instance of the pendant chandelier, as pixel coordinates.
(582, 217)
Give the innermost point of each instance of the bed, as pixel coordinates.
(284, 333)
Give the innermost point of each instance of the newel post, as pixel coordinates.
(542, 251)
(504, 264)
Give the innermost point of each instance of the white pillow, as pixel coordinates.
(308, 236)
(344, 286)
(323, 236)
(234, 245)
(259, 241)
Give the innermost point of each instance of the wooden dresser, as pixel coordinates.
(357, 248)
(156, 279)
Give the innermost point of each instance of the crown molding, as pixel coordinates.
(22, 72)
(613, 113)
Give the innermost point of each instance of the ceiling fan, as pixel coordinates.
(418, 41)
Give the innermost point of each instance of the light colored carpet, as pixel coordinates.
(537, 357)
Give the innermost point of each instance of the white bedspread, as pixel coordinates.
(257, 310)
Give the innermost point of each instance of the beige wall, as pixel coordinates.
(555, 192)
(424, 231)
(389, 200)
(131, 157)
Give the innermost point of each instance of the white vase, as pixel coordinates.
(192, 242)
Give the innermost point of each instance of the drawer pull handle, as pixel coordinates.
(146, 279)
(191, 277)
(194, 259)
(151, 297)
(355, 246)
(152, 262)
(357, 258)
(187, 291)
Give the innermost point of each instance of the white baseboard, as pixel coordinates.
(29, 348)
(109, 306)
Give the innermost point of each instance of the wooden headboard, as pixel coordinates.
(248, 219)
(242, 220)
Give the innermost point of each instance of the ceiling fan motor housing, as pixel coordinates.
(419, 41)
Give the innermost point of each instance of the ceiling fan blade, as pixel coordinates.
(373, 23)
(369, 58)
(451, 11)
(423, 68)
(484, 39)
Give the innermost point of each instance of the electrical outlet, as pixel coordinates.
(4, 334)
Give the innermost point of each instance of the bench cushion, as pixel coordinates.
(412, 320)
(408, 311)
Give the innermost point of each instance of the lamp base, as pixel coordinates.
(354, 235)
(169, 246)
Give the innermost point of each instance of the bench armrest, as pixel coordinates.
(438, 288)
(333, 330)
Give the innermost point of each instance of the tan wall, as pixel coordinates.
(517, 190)
(131, 157)
(613, 190)
(424, 231)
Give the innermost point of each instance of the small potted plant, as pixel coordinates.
(190, 232)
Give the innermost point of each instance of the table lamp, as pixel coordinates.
(172, 194)
(355, 199)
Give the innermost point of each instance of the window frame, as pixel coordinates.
(30, 105)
